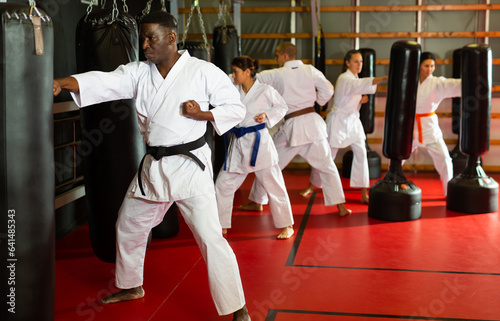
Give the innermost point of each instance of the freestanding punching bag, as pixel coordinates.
(472, 191)
(367, 117)
(394, 198)
(27, 230)
(112, 145)
(459, 159)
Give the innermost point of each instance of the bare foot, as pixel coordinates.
(343, 211)
(241, 314)
(286, 233)
(125, 295)
(252, 206)
(364, 196)
(308, 191)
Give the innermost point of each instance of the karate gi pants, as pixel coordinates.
(319, 156)
(441, 158)
(273, 183)
(360, 176)
(136, 219)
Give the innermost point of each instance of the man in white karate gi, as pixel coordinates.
(304, 131)
(172, 92)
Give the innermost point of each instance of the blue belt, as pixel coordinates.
(241, 131)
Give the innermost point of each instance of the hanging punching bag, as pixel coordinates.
(319, 61)
(226, 45)
(27, 236)
(394, 198)
(458, 158)
(472, 191)
(367, 117)
(111, 142)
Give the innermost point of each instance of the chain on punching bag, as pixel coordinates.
(199, 49)
(27, 229)
(111, 142)
(394, 198)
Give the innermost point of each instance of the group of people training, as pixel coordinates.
(173, 92)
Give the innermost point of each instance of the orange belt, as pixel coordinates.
(419, 124)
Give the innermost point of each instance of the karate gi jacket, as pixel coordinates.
(300, 85)
(158, 104)
(261, 98)
(343, 123)
(430, 93)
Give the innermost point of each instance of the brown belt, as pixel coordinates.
(300, 112)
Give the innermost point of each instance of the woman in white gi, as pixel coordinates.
(343, 123)
(427, 134)
(173, 92)
(252, 149)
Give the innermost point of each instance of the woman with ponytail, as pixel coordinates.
(252, 149)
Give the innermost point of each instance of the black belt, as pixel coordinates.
(161, 151)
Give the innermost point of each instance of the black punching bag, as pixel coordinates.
(226, 44)
(472, 191)
(111, 142)
(394, 198)
(458, 158)
(367, 117)
(320, 61)
(27, 237)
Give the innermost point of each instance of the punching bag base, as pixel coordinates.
(396, 202)
(472, 195)
(374, 164)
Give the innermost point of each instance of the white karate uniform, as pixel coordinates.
(301, 85)
(345, 128)
(430, 93)
(261, 98)
(174, 178)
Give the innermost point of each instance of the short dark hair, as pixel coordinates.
(244, 63)
(427, 55)
(163, 18)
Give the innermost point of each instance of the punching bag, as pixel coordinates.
(458, 158)
(394, 198)
(367, 117)
(27, 231)
(319, 61)
(472, 191)
(226, 45)
(111, 142)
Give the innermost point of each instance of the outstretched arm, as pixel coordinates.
(378, 80)
(68, 83)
